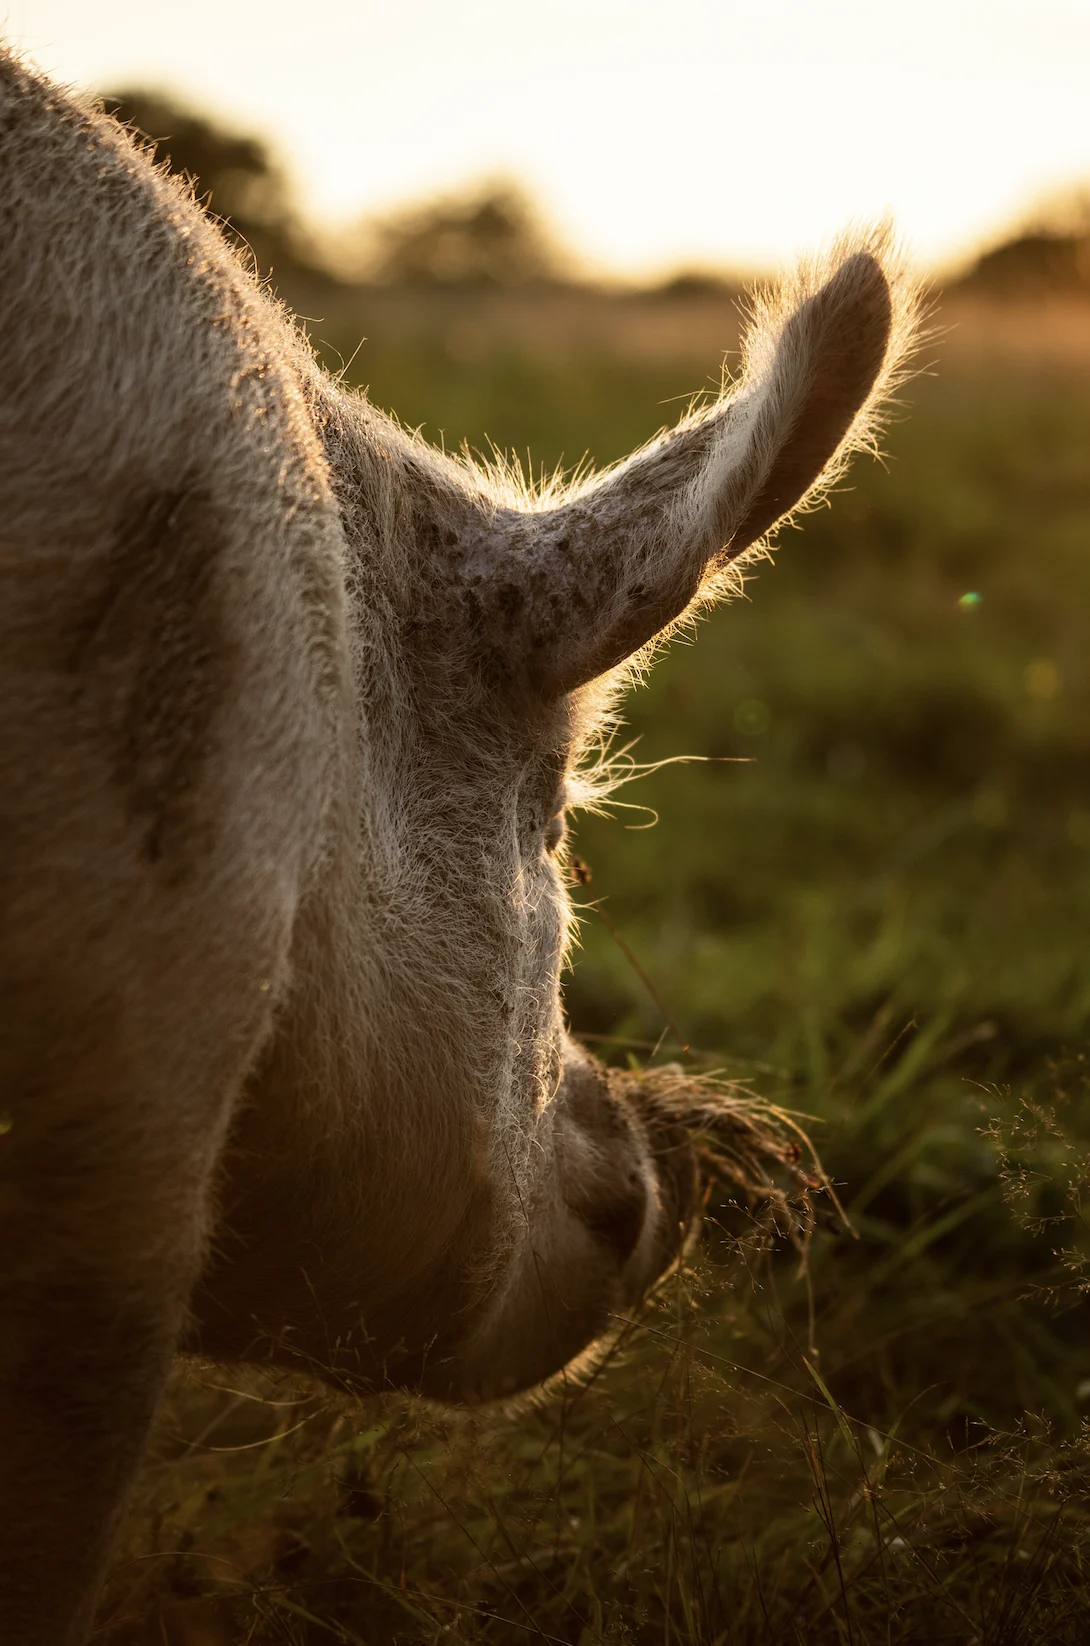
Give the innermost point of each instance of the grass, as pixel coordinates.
(878, 919)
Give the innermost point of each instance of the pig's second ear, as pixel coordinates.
(587, 584)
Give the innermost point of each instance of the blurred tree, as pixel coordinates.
(1051, 254)
(236, 177)
(1033, 263)
(490, 238)
(696, 283)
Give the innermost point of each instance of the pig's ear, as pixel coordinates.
(586, 585)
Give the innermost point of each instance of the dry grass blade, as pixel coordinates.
(754, 1149)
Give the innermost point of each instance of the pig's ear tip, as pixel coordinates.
(864, 273)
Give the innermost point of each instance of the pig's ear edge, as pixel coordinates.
(711, 491)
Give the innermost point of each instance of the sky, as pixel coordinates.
(653, 134)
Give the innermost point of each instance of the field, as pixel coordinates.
(866, 897)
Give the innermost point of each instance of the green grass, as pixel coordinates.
(913, 826)
(879, 919)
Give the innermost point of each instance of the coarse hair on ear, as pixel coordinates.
(585, 583)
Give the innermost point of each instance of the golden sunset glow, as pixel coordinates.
(710, 132)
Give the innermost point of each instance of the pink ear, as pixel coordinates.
(829, 358)
(589, 583)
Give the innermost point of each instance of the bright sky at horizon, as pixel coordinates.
(715, 133)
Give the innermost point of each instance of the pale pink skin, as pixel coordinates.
(291, 708)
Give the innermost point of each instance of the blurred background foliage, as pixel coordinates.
(490, 234)
(867, 896)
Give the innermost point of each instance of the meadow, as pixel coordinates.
(866, 897)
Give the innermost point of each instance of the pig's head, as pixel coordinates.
(492, 631)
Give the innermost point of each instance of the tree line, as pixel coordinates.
(488, 237)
